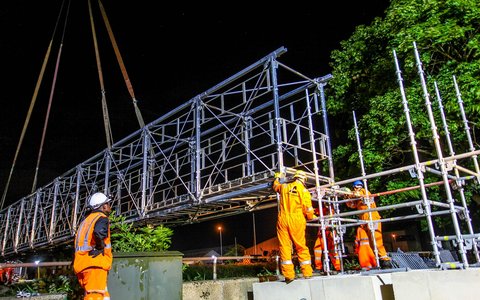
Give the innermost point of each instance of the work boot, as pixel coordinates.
(288, 280)
(386, 264)
(93, 296)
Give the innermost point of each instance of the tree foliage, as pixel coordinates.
(126, 238)
(447, 35)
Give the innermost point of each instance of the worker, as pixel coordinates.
(295, 205)
(93, 251)
(364, 241)
(318, 247)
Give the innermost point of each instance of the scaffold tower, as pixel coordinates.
(453, 177)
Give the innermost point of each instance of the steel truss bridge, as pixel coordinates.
(211, 157)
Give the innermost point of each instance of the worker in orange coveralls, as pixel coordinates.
(295, 205)
(318, 248)
(93, 250)
(364, 240)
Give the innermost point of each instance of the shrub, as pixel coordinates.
(196, 272)
(126, 238)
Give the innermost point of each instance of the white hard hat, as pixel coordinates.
(300, 174)
(97, 199)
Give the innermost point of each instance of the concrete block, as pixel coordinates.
(338, 287)
(238, 289)
(298, 289)
(206, 290)
(437, 285)
(225, 289)
(345, 287)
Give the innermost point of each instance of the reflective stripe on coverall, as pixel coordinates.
(92, 271)
(295, 205)
(364, 240)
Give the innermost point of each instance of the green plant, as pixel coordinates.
(266, 272)
(351, 264)
(60, 285)
(126, 238)
(201, 271)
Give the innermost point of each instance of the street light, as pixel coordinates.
(221, 248)
(254, 234)
(37, 262)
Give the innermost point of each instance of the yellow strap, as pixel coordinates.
(122, 65)
(106, 119)
(27, 120)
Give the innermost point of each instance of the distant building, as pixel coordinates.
(204, 252)
(266, 248)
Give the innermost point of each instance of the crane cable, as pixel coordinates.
(106, 119)
(29, 113)
(50, 100)
(121, 64)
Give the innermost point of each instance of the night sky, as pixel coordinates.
(171, 54)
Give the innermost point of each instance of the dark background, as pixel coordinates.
(171, 54)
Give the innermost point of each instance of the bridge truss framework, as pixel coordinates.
(211, 157)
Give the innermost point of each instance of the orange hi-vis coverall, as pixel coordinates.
(295, 205)
(92, 261)
(318, 248)
(364, 241)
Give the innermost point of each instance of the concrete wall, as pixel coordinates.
(229, 289)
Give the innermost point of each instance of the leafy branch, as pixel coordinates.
(126, 238)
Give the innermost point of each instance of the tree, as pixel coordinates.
(447, 34)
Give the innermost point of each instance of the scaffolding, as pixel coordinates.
(330, 194)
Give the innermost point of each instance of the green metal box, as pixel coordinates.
(146, 276)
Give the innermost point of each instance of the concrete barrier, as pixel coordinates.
(338, 287)
(405, 285)
(437, 285)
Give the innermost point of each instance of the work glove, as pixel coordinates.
(345, 192)
(278, 175)
(95, 252)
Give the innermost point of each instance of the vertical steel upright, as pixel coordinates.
(441, 161)
(316, 171)
(368, 199)
(337, 230)
(466, 127)
(51, 229)
(7, 224)
(76, 203)
(418, 167)
(278, 135)
(460, 183)
(34, 219)
(198, 150)
(145, 169)
(19, 225)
